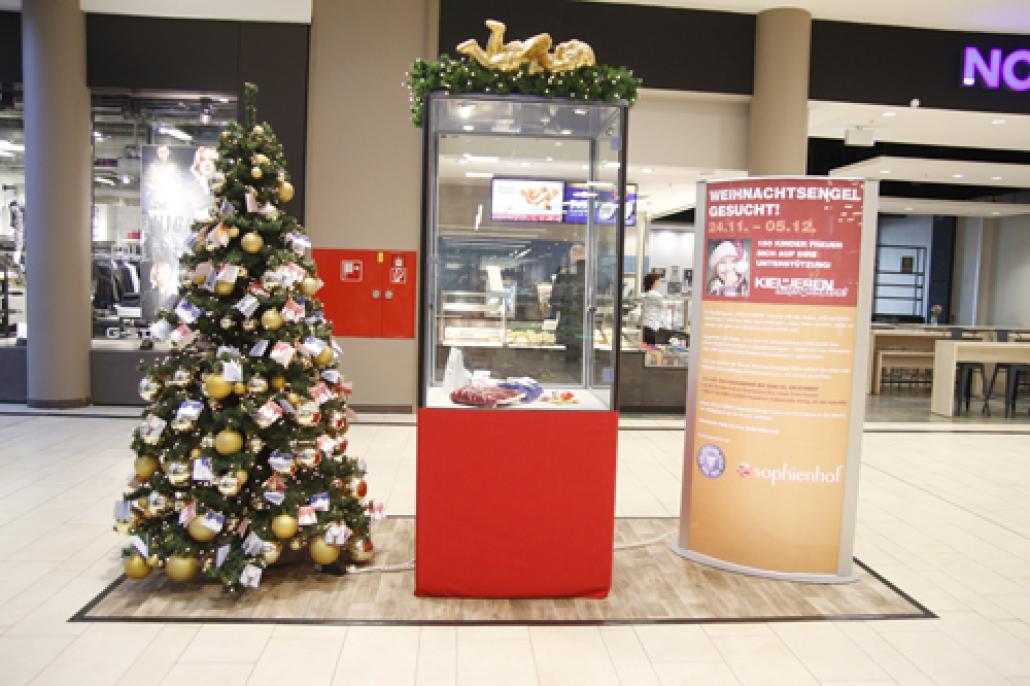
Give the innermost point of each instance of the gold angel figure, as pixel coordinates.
(533, 51)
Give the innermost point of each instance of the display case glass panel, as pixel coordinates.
(525, 209)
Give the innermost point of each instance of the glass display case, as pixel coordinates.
(525, 207)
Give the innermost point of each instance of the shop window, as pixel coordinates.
(152, 158)
(12, 213)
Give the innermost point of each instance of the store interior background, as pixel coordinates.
(954, 182)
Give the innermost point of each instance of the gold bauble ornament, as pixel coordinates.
(228, 442)
(255, 444)
(284, 526)
(259, 158)
(181, 377)
(239, 388)
(271, 552)
(153, 560)
(195, 453)
(243, 475)
(249, 325)
(136, 567)
(217, 387)
(198, 279)
(234, 231)
(321, 552)
(256, 173)
(325, 357)
(252, 242)
(148, 388)
(258, 130)
(224, 287)
(182, 567)
(293, 398)
(257, 384)
(229, 484)
(271, 319)
(226, 322)
(145, 466)
(178, 472)
(310, 285)
(360, 549)
(286, 191)
(296, 544)
(199, 532)
(278, 381)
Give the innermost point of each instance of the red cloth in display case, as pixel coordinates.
(515, 503)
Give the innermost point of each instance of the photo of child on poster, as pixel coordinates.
(728, 268)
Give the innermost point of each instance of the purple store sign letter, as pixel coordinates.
(1012, 70)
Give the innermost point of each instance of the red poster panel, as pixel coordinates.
(783, 241)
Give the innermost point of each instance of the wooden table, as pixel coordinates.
(919, 340)
(948, 353)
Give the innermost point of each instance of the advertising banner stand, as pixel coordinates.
(776, 396)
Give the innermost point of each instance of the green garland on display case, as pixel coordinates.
(520, 68)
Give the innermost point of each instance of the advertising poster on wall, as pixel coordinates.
(769, 427)
(174, 192)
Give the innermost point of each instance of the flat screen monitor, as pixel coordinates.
(526, 200)
(577, 199)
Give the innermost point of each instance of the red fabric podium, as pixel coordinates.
(515, 503)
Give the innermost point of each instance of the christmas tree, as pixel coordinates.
(241, 450)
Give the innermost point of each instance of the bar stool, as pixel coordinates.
(965, 370)
(1015, 374)
(1001, 336)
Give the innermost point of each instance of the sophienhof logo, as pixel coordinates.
(786, 473)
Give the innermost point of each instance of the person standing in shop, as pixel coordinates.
(567, 298)
(651, 308)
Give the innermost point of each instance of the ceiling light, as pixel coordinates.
(995, 178)
(175, 133)
(492, 159)
(224, 101)
(4, 153)
(524, 164)
(885, 171)
(584, 166)
(8, 146)
(479, 175)
(580, 111)
(468, 127)
(995, 213)
(463, 160)
(103, 180)
(648, 170)
(909, 209)
(612, 165)
(465, 111)
(957, 176)
(549, 159)
(999, 121)
(97, 135)
(566, 132)
(890, 114)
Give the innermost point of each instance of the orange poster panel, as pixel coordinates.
(776, 347)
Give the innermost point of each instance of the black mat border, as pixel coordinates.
(923, 613)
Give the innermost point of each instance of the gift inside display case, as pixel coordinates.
(525, 208)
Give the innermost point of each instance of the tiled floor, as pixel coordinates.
(944, 515)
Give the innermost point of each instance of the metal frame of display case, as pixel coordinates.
(592, 309)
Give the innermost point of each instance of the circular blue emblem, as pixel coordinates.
(711, 461)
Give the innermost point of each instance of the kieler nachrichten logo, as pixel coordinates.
(785, 472)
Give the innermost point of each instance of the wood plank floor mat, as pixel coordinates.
(651, 584)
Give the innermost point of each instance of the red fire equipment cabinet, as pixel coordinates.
(369, 293)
